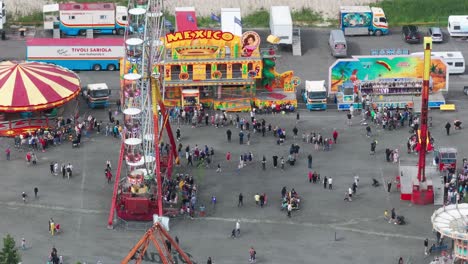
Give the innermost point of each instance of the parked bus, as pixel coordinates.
(77, 54)
(454, 59)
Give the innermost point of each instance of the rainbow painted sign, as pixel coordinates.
(370, 68)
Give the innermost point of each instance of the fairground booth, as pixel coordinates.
(31, 94)
(219, 69)
(386, 81)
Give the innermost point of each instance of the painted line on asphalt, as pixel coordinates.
(52, 207)
(308, 224)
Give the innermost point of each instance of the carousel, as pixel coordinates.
(31, 94)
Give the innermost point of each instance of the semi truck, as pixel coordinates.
(103, 18)
(77, 54)
(363, 20)
(315, 95)
(97, 95)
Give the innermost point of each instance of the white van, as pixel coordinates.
(454, 60)
(337, 43)
(458, 26)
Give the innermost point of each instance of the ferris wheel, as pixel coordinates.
(138, 196)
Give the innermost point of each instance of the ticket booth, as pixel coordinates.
(190, 97)
(446, 158)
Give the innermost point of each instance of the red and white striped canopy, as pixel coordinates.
(33, 86)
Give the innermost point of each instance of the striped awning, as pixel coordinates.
(33, 86)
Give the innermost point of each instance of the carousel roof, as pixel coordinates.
(32, 86)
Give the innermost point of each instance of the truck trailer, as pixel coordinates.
(103, 18)
(230, 18)
(363, 20)
(281, 24)
(77, 54)
(458, 26)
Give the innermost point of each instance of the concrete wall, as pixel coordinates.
(329, 8)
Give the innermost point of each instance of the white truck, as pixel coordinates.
(281, 24)
(363, 20)
(97, 95)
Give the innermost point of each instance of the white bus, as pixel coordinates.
(458, 26)
(454, 59)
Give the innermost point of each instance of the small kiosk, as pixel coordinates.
(190, 97)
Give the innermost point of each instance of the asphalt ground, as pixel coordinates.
(80, 205)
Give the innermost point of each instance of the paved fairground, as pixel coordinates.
(326, 229)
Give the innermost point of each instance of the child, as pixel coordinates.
(219, 168)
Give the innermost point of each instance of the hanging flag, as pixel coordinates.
(237, 21)
(190, 18)
(215, 17)
(167, 23)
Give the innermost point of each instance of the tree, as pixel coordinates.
(9, 253)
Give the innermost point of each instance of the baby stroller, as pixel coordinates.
(400, 220)
(457, 124)
(375, 182)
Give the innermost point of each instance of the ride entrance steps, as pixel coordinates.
(296, 42)
(438, 184)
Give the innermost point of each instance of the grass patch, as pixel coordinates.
(431, 12)
(306, 16)
(259, 18)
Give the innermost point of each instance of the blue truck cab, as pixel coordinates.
(97, 95)
(315, 95)
(363, 20)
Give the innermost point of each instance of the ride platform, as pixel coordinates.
(411, 188)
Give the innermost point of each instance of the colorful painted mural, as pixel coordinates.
(373, 68)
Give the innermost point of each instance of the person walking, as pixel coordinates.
(282, 163)
(228, 156)
(209, 261)
(228, 134)
(289, 209)
(241, 137)
(310, 176)
(7, 153)
(447, 128)
(325, 182)
(189, 160)
(426, 245)
(237, 228)
(218, 169)
(36, 190)
(64, 170)
(330, 183)
(389, 185)
(373, 146)
(275, 161)
(368, 131)
(178, 134)
(309, 161)
(295, 131)
(241, 200)
(393, 216)
(24, 196)
(335, 136)
(252, 254)
(263, 163)
(23, 244)
(69, 170)
(52, 167)
(109, 113)
(349, 118)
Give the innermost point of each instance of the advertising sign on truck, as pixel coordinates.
(363, 20)
(77, 54)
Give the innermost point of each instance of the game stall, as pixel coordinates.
(386, 81)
